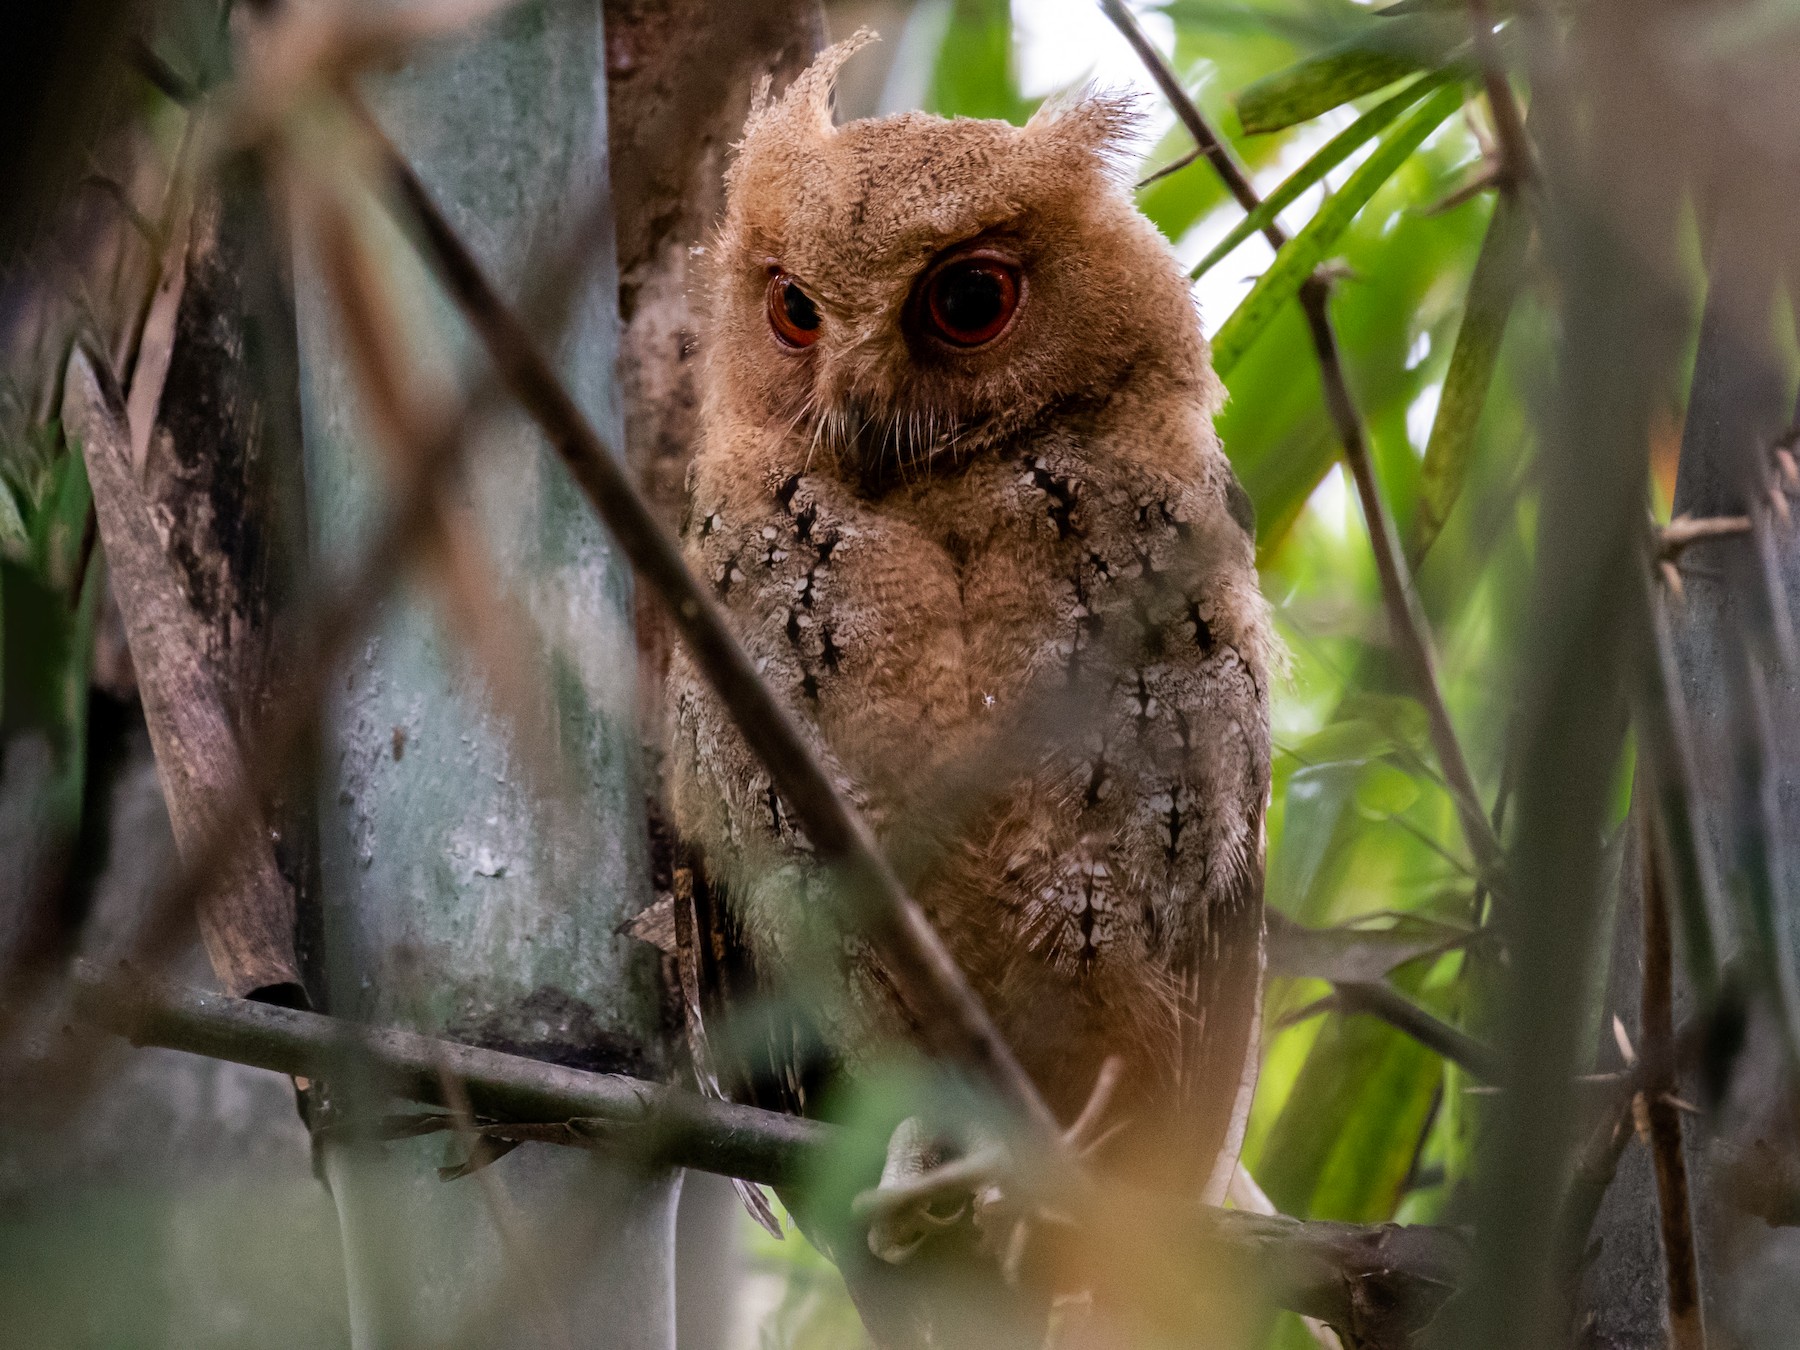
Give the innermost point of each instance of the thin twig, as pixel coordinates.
(1486, 174)
(1509, 123)
(1174, 166)
(1382, 1000)
(1661, 1119)
(1206, 140)
(935, 987)
(1674, 537)
(1406, 619)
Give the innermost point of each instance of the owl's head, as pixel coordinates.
(903, 291)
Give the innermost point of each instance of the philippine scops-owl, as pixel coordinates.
(957, 463)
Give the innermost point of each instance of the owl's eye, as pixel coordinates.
(792, 313)
(970, 301)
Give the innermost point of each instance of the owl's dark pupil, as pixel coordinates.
(801, 311)
(969, 298)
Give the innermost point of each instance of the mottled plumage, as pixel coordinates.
(926, 544)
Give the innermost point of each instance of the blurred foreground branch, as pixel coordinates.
(1379, 1282)
(938, 992)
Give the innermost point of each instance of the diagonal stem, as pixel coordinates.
(1509, 122)
(1406, 619)
(1380, 999)
(939, 993)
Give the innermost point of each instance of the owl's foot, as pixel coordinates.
(922, 1192)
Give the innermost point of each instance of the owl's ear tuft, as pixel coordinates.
(1106, 125)
(806, 105)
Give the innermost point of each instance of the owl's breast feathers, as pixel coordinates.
(1044, 678)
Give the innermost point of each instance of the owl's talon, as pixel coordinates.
(921, 1193)
(1086, 1136)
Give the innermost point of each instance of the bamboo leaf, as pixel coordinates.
(1333, 153)
(1307, 249)
(1359, 65)
(1364, 949)
(1499, 272)
(1345, 1140)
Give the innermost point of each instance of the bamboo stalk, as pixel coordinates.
(1681, 1261)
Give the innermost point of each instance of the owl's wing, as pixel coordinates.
(1222, 1025)
(704, 958)
(747, 1044)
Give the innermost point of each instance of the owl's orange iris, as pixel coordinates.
(970, 301)
(792, 313)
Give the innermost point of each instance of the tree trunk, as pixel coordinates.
(456, 902)
(680, 76)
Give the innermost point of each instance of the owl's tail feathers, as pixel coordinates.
(756, 1200)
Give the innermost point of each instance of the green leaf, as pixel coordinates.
(1399, 716)
(1499, 273)
(975, 74)
(1333, 153)
(1385, 791)
(60, 522)
(1386, 51)
(1362, 949)
(1344, 1143)
(1313, 808)
(1307, 249)
(1346, 737)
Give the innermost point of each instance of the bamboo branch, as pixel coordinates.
(673, 1128)
(1379, 1282)
(332, 616)
(934, 985)
(1406, 619)
(1509, 123)
(1674, 537)
(1382, 1000)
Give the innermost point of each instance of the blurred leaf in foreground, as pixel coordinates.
(1387, 49)
(1499, 271)
(1303, 254)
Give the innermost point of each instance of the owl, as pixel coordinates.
(958, 490)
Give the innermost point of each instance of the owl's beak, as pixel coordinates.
(885, 448)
